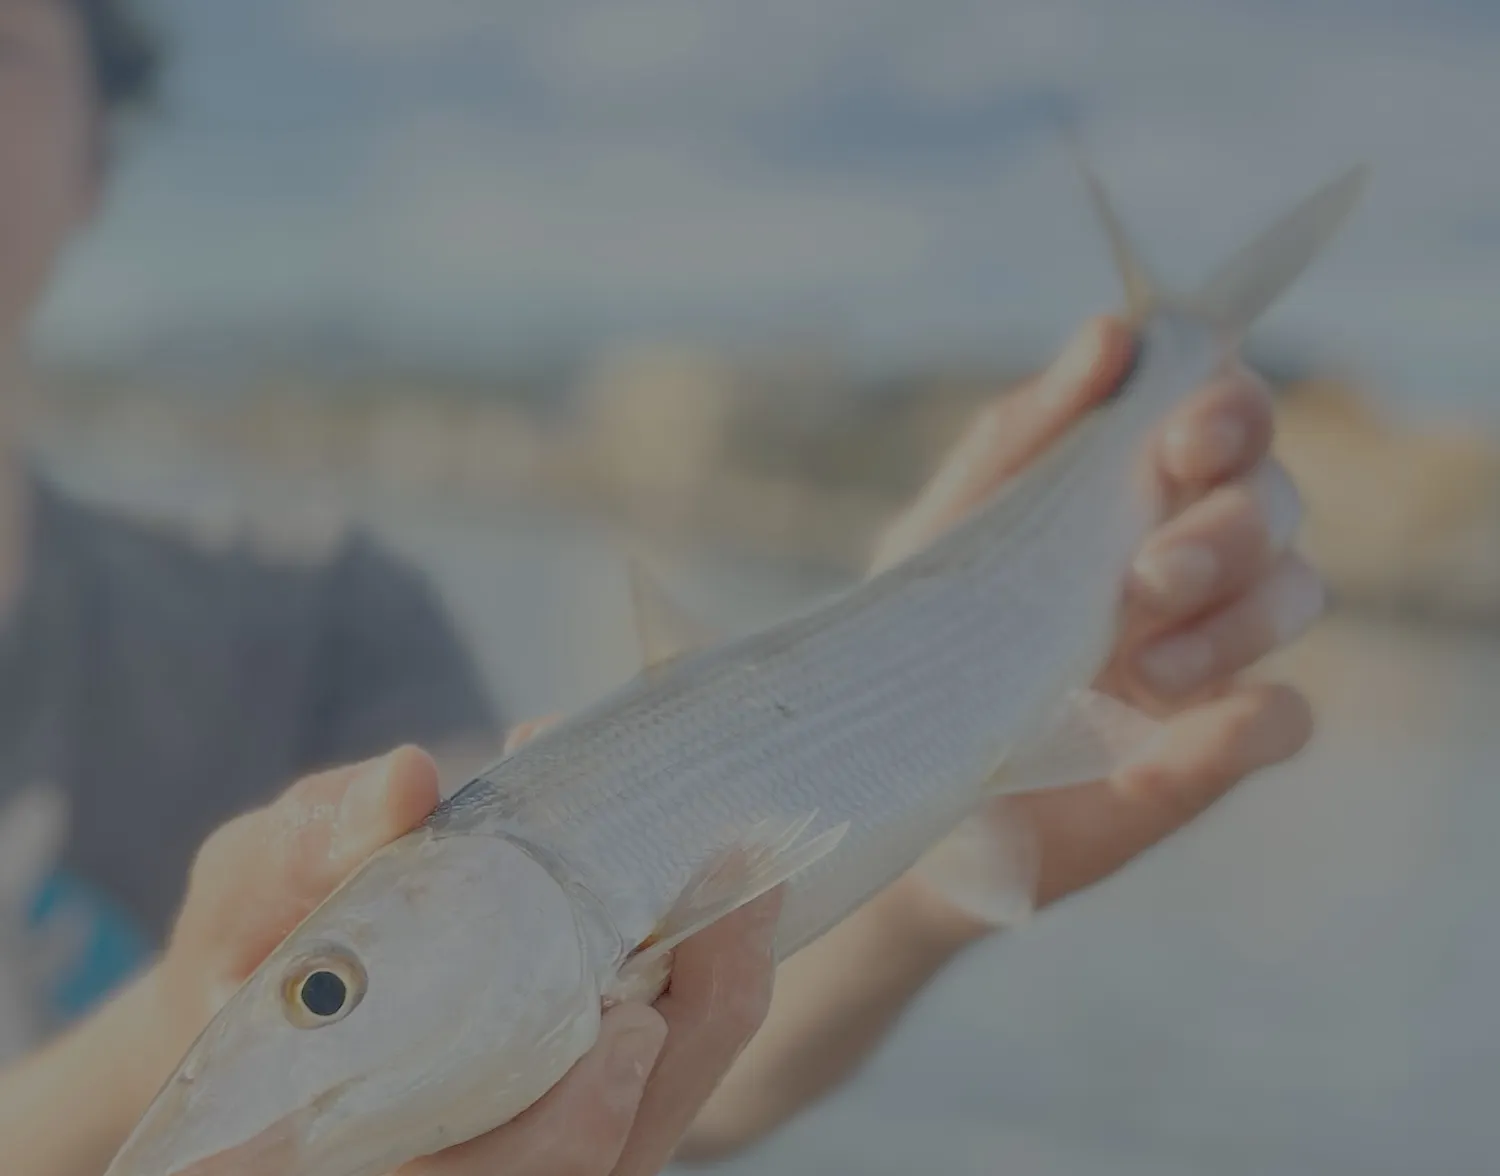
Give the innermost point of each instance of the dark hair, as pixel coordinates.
(124, 53)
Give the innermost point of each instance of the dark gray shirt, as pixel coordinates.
(166, 687)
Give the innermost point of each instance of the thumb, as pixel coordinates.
(387, 799)
(259, 875)
(1008, 435)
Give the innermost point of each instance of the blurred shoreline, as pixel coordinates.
(786, 457)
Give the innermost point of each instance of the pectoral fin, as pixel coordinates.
(767, 855)
(987, 867)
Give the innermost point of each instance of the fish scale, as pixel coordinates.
(890, 710)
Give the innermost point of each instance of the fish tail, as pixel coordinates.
(1143, 292)
(1240, 289)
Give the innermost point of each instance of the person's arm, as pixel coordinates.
(65, 1109)
(1217, 573)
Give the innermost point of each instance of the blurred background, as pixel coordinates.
(506, 280)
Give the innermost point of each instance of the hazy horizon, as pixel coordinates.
(478, 181)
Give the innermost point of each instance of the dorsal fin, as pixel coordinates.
(1240, 289)
(1142, 291)
(664, 628)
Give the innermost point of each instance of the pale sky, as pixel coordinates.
(480, 177)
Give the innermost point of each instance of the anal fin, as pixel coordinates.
(988, 867)
(768, 854)
(1091, 736)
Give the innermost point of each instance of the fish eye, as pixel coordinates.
(323, 987)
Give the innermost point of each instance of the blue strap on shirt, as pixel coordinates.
(113, 950)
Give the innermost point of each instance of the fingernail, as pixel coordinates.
(1294, 598)
(363, 807)
(1178, 664)
(1279, 504)
(1206, 450)
(1177, 576)
(633, 1050)
(1072, 367)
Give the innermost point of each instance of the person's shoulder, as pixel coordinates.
(199, 557)
(199, 533)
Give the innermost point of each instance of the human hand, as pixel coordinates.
(1213, 590)
(619, 1112)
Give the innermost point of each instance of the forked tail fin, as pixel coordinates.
(1241, 289)
(1143, 293)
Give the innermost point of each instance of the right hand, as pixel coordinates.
(1228, 504)
(621, 1111)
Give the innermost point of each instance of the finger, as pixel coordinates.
(579, 1127)
(529, 730)
(1211, 747)
(719, 995)
(1092, 830)
(1221, 432)
(1009, 434)
(1215, 549)
(1276, 611)
(263, 872)
(238, 851)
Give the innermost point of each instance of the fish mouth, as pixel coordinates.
(168, 1143)
(276, 1150)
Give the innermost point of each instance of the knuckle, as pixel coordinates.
(1159, 787)
(1249, 391)
(1233, 524)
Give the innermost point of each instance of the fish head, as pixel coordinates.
(434, 996)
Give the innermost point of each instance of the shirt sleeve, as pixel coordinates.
(393, 668)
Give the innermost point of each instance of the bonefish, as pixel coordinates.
(459, 974)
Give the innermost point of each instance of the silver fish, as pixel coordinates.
(460, 973)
